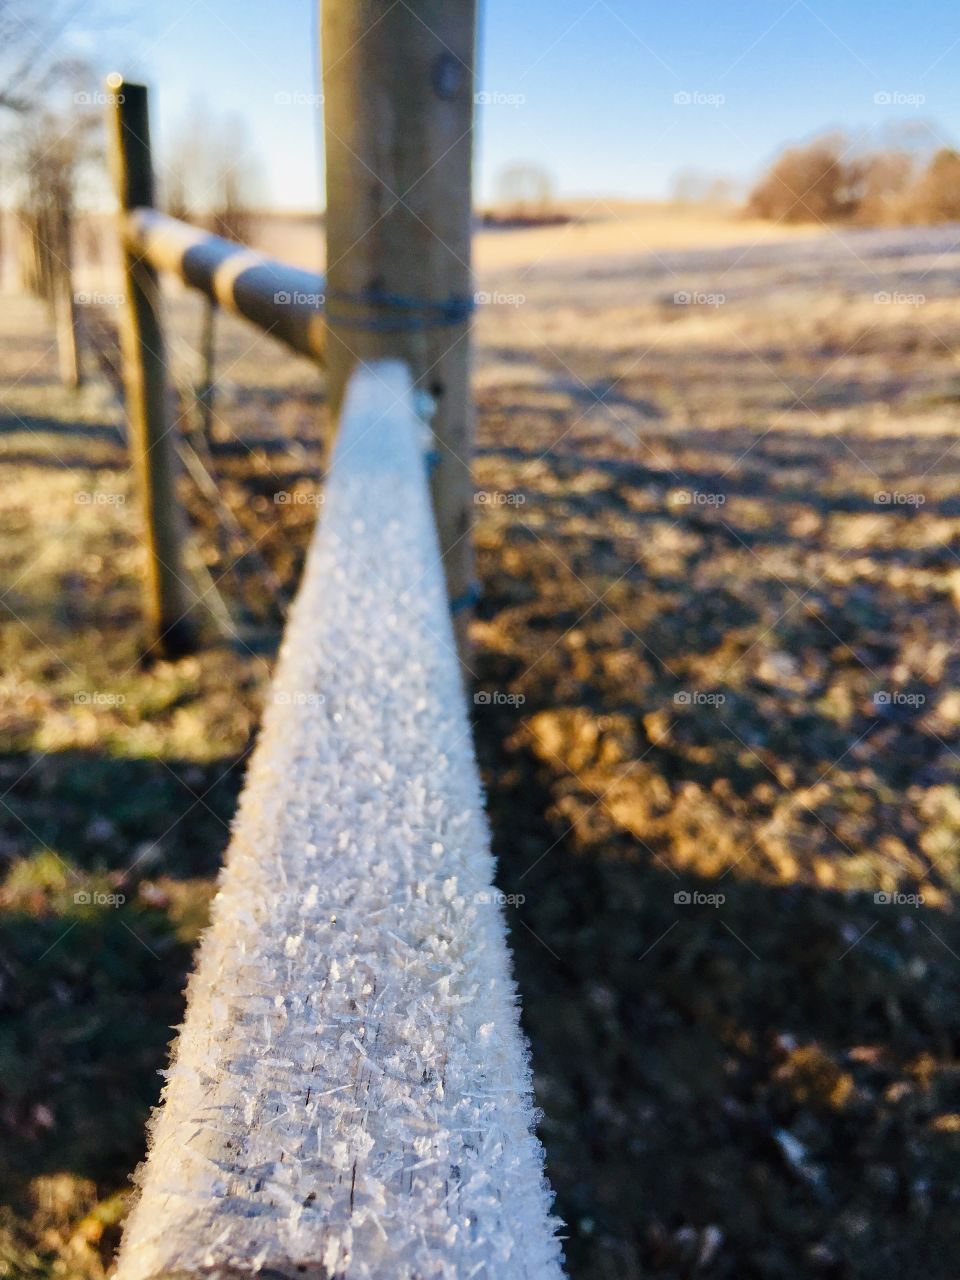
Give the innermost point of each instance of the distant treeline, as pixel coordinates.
(827, 180)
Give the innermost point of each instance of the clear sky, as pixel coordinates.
(584, 87)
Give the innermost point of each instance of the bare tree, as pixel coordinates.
(882, 185)
(906, 178)
(936, 196)
(211, 174)
(811, 183)
(52, 150)
(696, 186)
(56, 142)
(33, 65)
(31, 50)
(236, 181)
(184, 170)
(175, 192)
(526, 188)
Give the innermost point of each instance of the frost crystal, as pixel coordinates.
(349, 1096)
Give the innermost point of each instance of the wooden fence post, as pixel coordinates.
(65, 307)
(169, 592)
(399, 91)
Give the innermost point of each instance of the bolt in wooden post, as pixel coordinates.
(398, 93)
(169, 593)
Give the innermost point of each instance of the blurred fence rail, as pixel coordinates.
(284, 301)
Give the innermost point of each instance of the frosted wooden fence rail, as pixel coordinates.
(349, 1095)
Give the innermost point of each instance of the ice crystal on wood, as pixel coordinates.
(350, 1092)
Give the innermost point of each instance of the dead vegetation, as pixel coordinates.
(834, 180)
(717, 730)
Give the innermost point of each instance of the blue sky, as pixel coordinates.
(584, 87)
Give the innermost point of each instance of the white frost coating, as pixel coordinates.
(350, 1095)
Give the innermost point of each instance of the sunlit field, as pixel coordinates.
(719, 726)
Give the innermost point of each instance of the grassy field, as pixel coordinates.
(719, 546)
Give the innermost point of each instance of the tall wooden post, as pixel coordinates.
(169, 594)
(398, 83)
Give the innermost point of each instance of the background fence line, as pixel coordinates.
(286, 302)
(169, 594)
(399, 91)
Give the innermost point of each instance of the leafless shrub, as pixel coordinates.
(903, 180)
(44, 98)
(48, 156)
(211, 175)
(696, 186)
(936, 195)
(811, 183)
(31, 53)
(881, 182)
(56, 147)
(526, 187)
